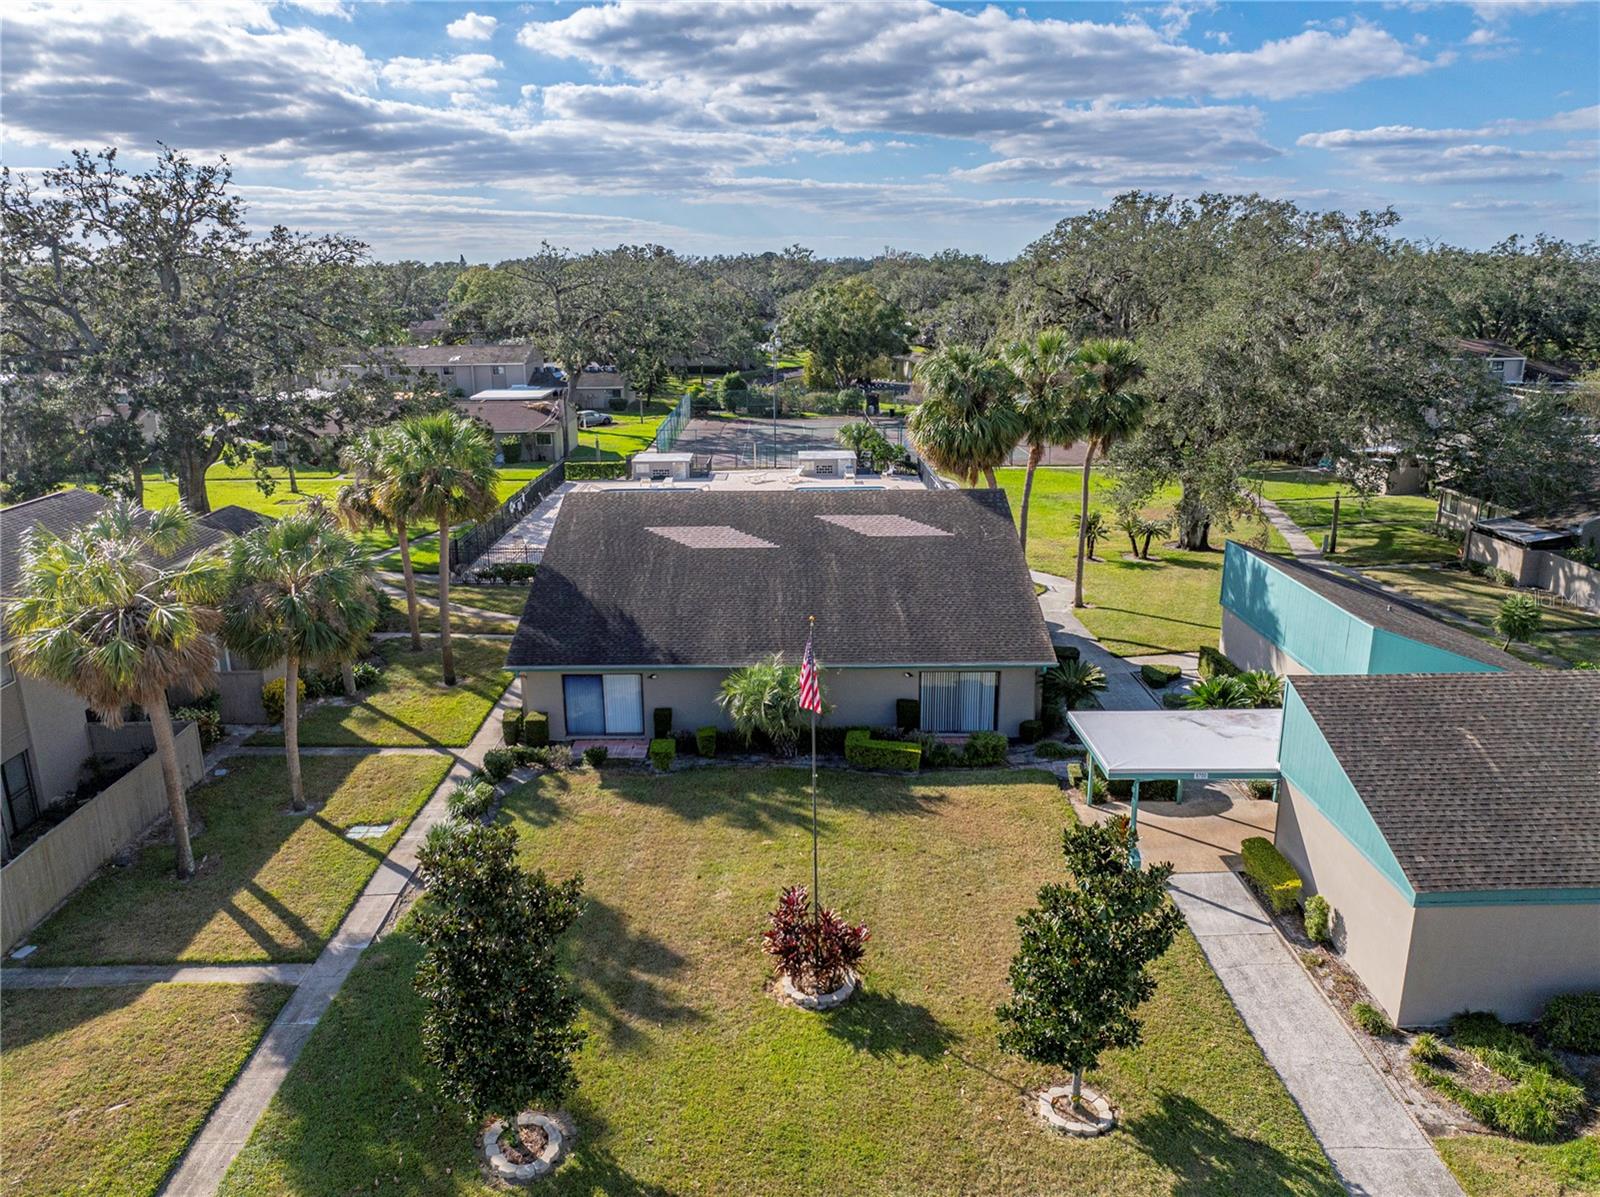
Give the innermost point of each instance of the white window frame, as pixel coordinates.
(974, 679)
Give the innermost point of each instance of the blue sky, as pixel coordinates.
(436, 129)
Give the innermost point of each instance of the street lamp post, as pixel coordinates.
(777, 345)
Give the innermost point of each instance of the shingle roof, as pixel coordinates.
(1383, 609)
(235, 519)
(458, 355)
(639, 578)
(507, 417)
(1478, 781)
(60, 513)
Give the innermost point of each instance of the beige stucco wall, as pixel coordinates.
(1502, 554)
(49, 720)
(1373, 927)
(1249, 649)
(1537, 567)
(860, 697)
(1511, 959)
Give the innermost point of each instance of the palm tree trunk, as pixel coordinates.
(1083, 528)
(1035, 454)
(988, 475)
(291, 730)
(411, 589)
(347, 674)
(177, 804)
(444, 602)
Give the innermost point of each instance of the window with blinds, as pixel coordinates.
(960, 701)
(604, 704)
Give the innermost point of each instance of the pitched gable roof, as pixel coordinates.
(235, 519)
(1478, 781)
(1385, 610)
(724, 578)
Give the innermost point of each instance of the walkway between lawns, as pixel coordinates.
(1124, 691)
(200, 1171)
(1375, 1145)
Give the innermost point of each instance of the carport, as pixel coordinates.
(1178, 746)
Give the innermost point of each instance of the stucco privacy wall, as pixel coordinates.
(67, 855)
(1537, 567)
(1249, 649)
(859, 697)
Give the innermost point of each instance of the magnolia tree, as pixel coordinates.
(500, 1019)
(1082, 970)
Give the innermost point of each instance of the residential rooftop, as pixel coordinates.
(724, 578)
(1385, 610)
(1478, 781)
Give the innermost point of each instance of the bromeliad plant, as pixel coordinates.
(816, 952)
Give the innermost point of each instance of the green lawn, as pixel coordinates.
(1382, 529)
(461, 621)
(1491, 1166)
(505, 602)
(1166, 604)
(411, 705)
(101, 1089)
(270, 885)
(1569, 632)
(693, 1079)
(626, 436)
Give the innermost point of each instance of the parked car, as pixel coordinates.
(593, 419)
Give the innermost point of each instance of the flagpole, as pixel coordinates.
(816, 884)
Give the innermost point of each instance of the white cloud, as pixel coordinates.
(458, 74)
(323, 8)
(474, 27)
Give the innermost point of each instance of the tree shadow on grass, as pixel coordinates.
(1207, 1156)
(882, 1024)
(623, 974)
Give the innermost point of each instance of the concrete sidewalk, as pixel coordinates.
(211, 1152)
(1375, 1145)
(102, 976)
(1124, 691)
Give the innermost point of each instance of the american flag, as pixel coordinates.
(810, 693)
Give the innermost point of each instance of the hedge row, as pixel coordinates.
(1272, 873)
(861, 750)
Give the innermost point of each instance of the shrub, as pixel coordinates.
(1273, 875)
(1161, 789)
(272, 697)
(1571, 1021)
(1159, 676)
(499, 1019)
(662, 753)
(814, 953)
(1263, 688)
(984, 750)
(907, 713)
(1371, 1020)
(1543, 1099)
(1428, 1048)
(1174, 701)
(1072, 683)
(596, 755)
(498, 763)
(1260, 788)
(1029, 730)
(1065, 653)
(471, 799)
(1477, 568)
(764, 700)
(1519, 618)
(320, 683)
(862, 751)
(583, 471)
(1051, 750)
(511, 726)
(662, 719)
(705, 741)
(506, 572)
(1075, 775)
(207, 721)
(1214, 664)
(366, 674)
(1502, 577)
(1223, 692)
(535, 728)
(1319, 919)
(558, 756)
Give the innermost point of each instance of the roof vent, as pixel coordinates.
(883, 525)
(711, 536)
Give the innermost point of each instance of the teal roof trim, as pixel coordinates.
(1512, 897)
(1319, 634)
(1392, 653)
(1310, 766)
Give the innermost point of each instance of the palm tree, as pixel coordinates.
(442, 466)
(1044, 371)
(764, 699)
(299, 590)
(369, 500)
(1108, 412)
(968, 421)
(109, 612)
(1218, 694)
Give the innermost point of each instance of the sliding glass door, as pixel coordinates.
(604, 704)
(960, 701)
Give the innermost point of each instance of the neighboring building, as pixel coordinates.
(427, 332)
(45, 729)
(1296, 618)
(1510, 365)
(1453, 823)
(464, 368)
(603, 388)
(234, 519)
(648, 599)
(542, 423)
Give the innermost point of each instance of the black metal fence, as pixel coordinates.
(477, 540)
